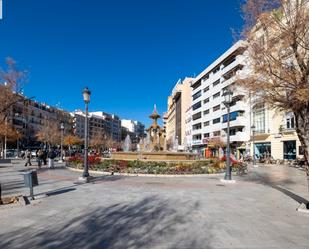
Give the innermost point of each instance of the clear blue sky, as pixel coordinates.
(129, 53)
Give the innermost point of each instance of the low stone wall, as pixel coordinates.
(5, 161)
(154, 156)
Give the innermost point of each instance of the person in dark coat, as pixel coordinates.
(44, 157)
(40, 157)
(51, 156)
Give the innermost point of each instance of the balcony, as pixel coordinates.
(240, 136)
(240, 106)
(196, 142)
(239, 60)
(285, 130)
(239, 122)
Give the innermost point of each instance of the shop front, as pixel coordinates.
(262, 150)
(289, 150)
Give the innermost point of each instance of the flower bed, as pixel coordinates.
(211, 166)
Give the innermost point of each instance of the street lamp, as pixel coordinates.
(61, 146)
(86, 96)
(228, 94)
(253, 138)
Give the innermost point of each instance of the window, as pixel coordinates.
(216, 133)
(259, 118)
(301, 150)
(206, 123)
(197, 116)
(233, 116)
(290, 123)
(197, 105)
(216, 69)
(206, 135)
(216, 108)
(206, 100)
(206, 112)
(232, 132)
(216, 120)
(289, 150)
(197, 126)
(197, 95)
(261, 41)
(216, 83)
(197, 137)
(229, 60)
(196, 85)
(206, 77)
(216, 95)
(206, 89)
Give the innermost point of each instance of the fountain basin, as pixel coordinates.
(154, 156)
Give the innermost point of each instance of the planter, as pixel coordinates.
(154, 167)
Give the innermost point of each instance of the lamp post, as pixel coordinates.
(61, 146)
(253, 150)
(86, 96)
(227, 102)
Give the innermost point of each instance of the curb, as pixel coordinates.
(302, 208)
(143, 175)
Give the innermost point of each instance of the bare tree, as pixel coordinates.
(98, 143)
(11, 82)
(49, 133)
(278, 45)
(71, 140)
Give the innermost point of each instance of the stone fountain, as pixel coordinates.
(152, 147)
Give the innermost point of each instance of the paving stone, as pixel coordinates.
(258, 211)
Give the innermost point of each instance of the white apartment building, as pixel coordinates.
(209, 114)
(135, 127)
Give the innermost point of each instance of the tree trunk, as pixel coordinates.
(302, 129)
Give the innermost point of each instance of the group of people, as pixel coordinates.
(41, 157)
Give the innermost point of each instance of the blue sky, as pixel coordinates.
(129, 53)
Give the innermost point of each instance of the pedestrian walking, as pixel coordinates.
(51, 156)
(22, 155)
(40, 158)
(28, 158)
(44, 157)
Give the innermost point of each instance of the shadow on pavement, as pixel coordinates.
(60, 191)
(290, 194)
(273, 182)
(13, 184)
(107, 178)
(149, 223)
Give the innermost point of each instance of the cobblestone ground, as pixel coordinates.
(258, 211)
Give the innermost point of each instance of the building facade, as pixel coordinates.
(255, 128)
(188, 129)
(174, 119)
(29, 117)
(209, 113)
(135, 128)
(101, 124)
(111, 123)
(274, 135)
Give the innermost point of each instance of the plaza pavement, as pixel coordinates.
(258, 211)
